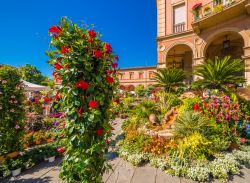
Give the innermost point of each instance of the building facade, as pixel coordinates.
(136, 75)
(190, 31)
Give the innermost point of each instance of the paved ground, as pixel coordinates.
(123, 173)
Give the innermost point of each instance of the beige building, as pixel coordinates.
(190, 31)
(136, 75)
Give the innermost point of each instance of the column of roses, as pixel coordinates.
(86, 67)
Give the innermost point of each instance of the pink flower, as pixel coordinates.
(242, 140)
(17, 127)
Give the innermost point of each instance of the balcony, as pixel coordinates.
(177, 28)
(213, 13)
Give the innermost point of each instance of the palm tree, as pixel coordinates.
(169, 78)
(220, 72)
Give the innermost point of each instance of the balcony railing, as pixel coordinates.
(212, 8)
(179, 27)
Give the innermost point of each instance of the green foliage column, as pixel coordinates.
(86, 66)
(11, 110)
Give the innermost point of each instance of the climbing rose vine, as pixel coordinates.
(85, 66)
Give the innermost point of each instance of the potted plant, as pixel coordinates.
(207, 11)
(196, 10)
(3, 169)
(15, 165)
(50, 154)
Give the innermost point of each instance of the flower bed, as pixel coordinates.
(210, 137)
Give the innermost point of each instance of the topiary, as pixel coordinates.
(87, 68)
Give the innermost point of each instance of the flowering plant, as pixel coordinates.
(11, 109)
(85, 66)
(223, 109)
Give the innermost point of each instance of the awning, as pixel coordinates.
(34, 87)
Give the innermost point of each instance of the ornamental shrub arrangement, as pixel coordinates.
(86, 67)
(11, 110)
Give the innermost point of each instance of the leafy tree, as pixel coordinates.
(220, 72)
(31, 74)
(169, 78)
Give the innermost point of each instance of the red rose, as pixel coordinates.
(61, 150)
(58, 66)
(64, 49)
(82, 84)
(109, 79)
(114, 65)
(55, 29)
(99, 132)
(92, 34)
(97, 53)
(93, 104)
(107, 48)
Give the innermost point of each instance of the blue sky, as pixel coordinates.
(128, 25)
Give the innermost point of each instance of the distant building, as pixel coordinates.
(136, 75)
(191, 31)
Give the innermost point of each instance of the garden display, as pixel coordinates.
(201, 138)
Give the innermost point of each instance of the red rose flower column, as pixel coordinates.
(86, 67)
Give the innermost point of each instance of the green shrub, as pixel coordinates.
(167, 101)
(188, 104)
(194, 146)
(243, 155)
(245, 107)
(145, 108)
(140, 90)
(191, 122)
(11, 110)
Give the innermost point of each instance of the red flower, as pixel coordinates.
(58, 66)
(81, 110)
(64, 49)
(57, 96)
(55, 29)
(117, 101)
(114, 65)
(116, 58)
(61, 150)
(99, 132)
(47, 99)
(197, 6)
(109, 79)
(93, 104)
(82, 84)
(196, 107)
(107, 48)
(97, 53)
(92, 34)
(55, 36)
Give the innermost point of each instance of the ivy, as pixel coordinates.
(84, 64)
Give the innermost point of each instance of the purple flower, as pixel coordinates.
(55, 124)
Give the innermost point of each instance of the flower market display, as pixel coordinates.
(199, 137)
(86, 67)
